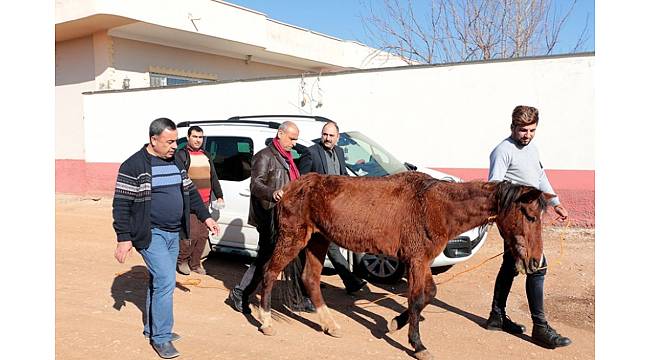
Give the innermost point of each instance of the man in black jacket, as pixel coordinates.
(272, 168)
(327, 158)
(152, 204)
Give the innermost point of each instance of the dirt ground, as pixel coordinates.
(99, 304)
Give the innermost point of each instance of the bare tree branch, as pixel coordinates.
(465, 30)
(582, 38)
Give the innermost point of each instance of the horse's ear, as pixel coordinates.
(529, 194)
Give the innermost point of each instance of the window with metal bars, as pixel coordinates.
(158, 80)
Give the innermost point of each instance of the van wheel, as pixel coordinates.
(379, 268)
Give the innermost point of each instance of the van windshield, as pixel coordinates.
(367, 158)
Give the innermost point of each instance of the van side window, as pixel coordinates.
(231, 156)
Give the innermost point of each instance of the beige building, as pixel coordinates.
(120, 44)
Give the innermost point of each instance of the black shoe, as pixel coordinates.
(165, 350)
(304, 306)
(175, 337)
(544, 335)
(502, 322)
(235, 297)
(183, 268)
(360, 287)
(308, 306)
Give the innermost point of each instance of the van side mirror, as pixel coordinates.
(410, 166)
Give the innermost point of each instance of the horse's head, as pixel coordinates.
(520, 224)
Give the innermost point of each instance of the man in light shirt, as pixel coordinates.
(516, 159)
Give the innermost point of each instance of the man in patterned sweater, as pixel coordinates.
(201, 170)
(152, 204)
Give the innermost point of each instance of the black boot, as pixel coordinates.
(308, 306)
(305, 305)
(497, 321)
(236, 301)
(544, 335)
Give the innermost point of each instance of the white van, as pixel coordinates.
(231, 144)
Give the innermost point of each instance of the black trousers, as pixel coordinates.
(534, 288)
(351, 281)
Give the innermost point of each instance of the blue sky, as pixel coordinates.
(342, 18)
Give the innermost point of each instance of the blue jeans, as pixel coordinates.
(160, 258)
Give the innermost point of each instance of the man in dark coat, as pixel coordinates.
(272, 168)
(327, 158)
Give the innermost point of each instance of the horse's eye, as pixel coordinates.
(528, 217)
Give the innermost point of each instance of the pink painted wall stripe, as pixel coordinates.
(574, 187)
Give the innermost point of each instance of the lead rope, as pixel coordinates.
(185, 282)
(562, 237)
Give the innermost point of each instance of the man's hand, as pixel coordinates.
(218, 204)
(122, 250)
(212, 225)
(561, 211)
(277, 195)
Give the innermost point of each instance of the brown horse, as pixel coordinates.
(409, 215)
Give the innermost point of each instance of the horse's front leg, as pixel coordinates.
(419, 293)
(270, 275)
(314, 258)
(286, 250)
(400, 320)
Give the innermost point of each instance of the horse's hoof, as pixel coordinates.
(393, 326)
(268, 331)
(423, 355)
(337, 333)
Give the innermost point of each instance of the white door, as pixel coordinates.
(231, 156)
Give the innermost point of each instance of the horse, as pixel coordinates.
(409, 215)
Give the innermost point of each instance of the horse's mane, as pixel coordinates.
(424, 185)
(508, 193)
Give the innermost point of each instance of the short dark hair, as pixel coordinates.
(159, 125)
(523, 115)
(330, 122)
(194, 128)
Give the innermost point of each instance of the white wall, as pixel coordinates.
(440, 116)
(74, 74)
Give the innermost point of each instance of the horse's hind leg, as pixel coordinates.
(287, 248)
(314, 258)
(419, 293)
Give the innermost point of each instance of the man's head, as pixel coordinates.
(194, 137)
(330, 135)
(524, 124)
(287, 135)
(162, 137)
